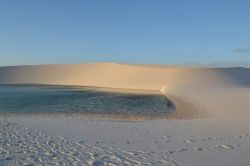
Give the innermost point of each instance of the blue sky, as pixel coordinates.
(124, 31)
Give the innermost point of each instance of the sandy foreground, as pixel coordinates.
(210, 127)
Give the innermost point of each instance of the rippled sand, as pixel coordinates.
(24, 146)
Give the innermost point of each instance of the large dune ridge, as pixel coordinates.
(216, 91)
(111, 75)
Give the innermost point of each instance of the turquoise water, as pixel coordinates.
(62, 99)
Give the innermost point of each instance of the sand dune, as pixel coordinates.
(121, 76)
(198, 86)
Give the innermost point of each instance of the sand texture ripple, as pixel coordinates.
(24, 146)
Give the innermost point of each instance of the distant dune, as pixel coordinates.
(112, 75)
(198, 86)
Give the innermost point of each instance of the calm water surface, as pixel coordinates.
(61, 99)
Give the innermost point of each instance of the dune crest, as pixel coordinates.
(113, 75)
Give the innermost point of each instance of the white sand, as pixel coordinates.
(221, 95)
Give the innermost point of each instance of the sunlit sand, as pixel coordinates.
(209, 123)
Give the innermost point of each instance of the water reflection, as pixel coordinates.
(83, 103)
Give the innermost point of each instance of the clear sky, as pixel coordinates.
(125, 31)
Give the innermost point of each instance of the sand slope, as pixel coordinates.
(119, 75)
(208, 89)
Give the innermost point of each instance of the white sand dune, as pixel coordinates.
(221, 94)
(119, 75)
(207, 88)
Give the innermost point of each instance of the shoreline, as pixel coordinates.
(183, 108)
